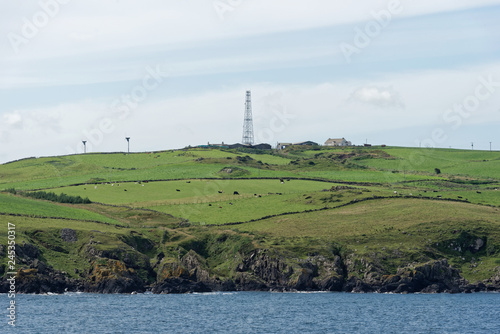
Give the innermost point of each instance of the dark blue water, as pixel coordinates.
(252, 312)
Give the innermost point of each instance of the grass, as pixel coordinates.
(373, 217)
(47, 172)
(366, 176)
(195, 191)
(64, 256)
(199, 201)
(394, 231)
(15, 205)
(236, 210)
(482, 164)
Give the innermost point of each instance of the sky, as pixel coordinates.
(169, 74)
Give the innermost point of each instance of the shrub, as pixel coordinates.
(11, 190)
(53, 197)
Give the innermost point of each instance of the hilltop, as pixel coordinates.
(303, 218)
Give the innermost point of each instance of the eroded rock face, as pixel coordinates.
(491, 284)
(270, 269)
(34, 275)
(27, 252)
(124, 270)
(432, 277)
(68, 235)
(331, 274)
(112, 276)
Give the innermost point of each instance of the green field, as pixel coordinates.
(189, 191)
(365, 221)
(368, 202)
(10, 204)
(41, 173)
(451, 162)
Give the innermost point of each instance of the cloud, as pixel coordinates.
(93, 26)
(13, 119)
(282, 112)
(380, 97)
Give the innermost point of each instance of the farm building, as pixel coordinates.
(282, 146)
(306, 143)
(257, 147)
(237, 145)
(337, 142)
(262, 147)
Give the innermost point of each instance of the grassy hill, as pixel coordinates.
(387, 206)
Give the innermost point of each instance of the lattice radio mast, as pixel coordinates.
(248, 124)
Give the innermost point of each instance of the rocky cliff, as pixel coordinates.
(118, 271)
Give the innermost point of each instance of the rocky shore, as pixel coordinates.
(259, 270)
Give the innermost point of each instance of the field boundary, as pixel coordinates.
(60, 218)
(224, 179)
(355, 201)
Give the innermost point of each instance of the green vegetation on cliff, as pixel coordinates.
(213, 215)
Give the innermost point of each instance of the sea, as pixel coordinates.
(254, 312)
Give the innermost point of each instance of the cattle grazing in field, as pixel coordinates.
(236, 193)
(177, 189)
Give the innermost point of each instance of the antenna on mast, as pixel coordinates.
(248, 122)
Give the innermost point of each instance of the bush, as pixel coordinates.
(11, 190)
(53, 197)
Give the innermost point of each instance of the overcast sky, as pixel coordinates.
(174, 73)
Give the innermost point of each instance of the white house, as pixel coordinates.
(337, 142)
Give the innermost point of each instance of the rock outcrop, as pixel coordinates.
(125, 271)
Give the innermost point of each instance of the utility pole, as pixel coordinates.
(85, 146)
(472, 144)
(490, 146)
(128, 144)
